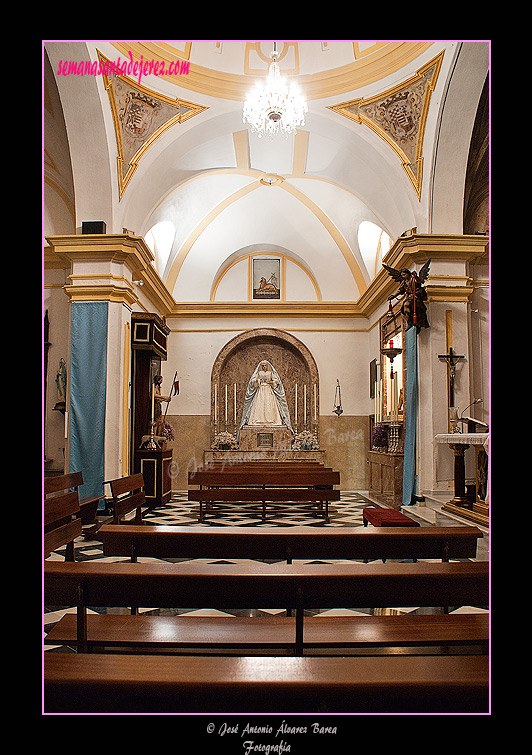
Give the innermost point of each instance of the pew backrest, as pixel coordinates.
(270, 478)
(267, 585)
(127, 495)
(62, 482)
(62, 524)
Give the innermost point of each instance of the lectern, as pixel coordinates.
(148, 349)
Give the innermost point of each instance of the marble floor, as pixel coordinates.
(345, 513)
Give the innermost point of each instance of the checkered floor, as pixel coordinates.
(180, 512)
(345, 513)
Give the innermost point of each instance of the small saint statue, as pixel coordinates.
(158, 400)
(61, 380)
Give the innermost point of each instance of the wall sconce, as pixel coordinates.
(338, 400)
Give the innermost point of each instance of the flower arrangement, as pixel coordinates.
(379, 437)
(305, 441)
(167, 431)
(225, 441)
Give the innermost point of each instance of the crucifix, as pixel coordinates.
(451, 358)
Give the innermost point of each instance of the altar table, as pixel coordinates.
(478, 510)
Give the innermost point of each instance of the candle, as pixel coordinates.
(295, 407)
(375, 399)
(315, 405)
(234, 402)
(226, 403)
(216, 402)
(305, 404)
(153, 401)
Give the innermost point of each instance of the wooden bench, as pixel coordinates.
(152, 684)
(127, 496)
(265, 477)
(218, 500)
(263, 586)
(88, 505)
(281, 489)
(62, 523)
(386, 518)
(288, 543)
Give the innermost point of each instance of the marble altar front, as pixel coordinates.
(264, 437)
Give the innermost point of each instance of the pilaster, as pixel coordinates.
(103, 276)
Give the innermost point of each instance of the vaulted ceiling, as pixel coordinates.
(384, 149)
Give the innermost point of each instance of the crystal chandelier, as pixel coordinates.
(274, 107)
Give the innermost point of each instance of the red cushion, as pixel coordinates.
(388, 518)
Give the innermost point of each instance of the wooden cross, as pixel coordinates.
(451, 358)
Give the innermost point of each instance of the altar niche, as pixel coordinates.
(297, 402)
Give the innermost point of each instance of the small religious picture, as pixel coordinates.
(266, 278)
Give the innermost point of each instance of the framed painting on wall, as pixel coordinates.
(266, 278)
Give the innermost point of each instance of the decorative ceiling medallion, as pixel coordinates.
(140, 116)
(398, 116)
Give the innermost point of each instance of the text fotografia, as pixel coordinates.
(125, 67)
(251, 746)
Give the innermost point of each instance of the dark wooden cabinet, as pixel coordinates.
(156, 469)
(148, 349)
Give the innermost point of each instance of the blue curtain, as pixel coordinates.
(88, 376)
(409, 462)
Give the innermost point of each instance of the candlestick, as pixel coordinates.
(295, 408)
(152, 401)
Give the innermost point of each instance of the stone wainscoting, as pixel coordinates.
(344, 441)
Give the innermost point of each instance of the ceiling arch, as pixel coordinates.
(207, 174)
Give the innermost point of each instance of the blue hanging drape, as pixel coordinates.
(88, 378)
(409, 461)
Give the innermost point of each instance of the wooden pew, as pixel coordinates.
(222, 489)
(62, 523)
(153, 684)
(217, 500)
(288, 543)
(279, 477)
(268, 635)
(88, 505)
(127, 496)
(264, 586)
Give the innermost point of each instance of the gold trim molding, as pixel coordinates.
(382, 62)
(99, 292)
(133, 250)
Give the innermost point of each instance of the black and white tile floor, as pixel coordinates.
(180, 512)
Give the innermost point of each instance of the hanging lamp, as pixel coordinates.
(274, 107)
(338, 400)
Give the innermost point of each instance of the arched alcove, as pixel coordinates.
(238, 359)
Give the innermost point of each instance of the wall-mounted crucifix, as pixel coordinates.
(452, 359)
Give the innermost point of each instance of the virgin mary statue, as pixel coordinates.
(265, 400)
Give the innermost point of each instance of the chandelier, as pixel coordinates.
(274, 107)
